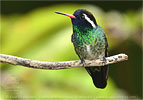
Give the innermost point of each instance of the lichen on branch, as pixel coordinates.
(60, 65)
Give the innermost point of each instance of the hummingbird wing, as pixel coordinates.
(99, 74)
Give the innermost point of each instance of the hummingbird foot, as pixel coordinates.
(103, 59)
(82, 62)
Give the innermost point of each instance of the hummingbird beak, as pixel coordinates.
(71, 16)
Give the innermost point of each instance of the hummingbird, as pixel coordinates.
(90, 43)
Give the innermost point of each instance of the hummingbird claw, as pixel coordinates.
(82, 62)
(103, 59)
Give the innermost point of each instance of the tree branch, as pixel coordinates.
(60, 65)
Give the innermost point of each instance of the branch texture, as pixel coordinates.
(60, 65)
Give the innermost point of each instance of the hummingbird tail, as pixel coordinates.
(99, 75)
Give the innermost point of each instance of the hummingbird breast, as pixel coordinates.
(90, 44)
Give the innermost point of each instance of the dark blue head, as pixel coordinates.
(82, 18)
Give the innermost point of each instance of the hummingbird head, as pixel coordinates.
(82, 18)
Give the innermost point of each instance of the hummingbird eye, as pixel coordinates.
(83, 17)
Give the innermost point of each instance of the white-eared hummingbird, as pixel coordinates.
(90, 43)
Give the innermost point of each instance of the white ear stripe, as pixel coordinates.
(88, 19)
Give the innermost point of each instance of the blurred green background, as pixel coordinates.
(32, 30)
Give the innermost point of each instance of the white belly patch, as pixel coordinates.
(88, 49)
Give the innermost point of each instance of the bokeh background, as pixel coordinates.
(32, 30)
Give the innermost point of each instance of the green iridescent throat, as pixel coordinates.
(85, 36)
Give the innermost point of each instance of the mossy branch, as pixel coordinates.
(60, 65)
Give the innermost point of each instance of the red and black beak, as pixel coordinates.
(71, 16)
